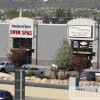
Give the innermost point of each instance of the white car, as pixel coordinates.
(54, 67)
(6, 67)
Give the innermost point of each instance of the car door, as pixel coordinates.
(7, 69)
(12, 68)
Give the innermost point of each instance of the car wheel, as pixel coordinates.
(41, 72)
(3, 70)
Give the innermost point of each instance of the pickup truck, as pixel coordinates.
(6, 67)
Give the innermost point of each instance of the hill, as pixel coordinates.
(49, 3)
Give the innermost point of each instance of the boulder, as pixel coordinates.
(37, 80)
(27, 78)
(44, 80)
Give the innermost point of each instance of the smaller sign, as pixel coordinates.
(80, 31)
(52, 57)
(83, 43)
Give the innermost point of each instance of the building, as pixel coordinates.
(43, 40)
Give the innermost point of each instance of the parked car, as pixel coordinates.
(5, 95)
(36, 70)
(70, 68)
(89, 76)
(6, 67)
(54, 67)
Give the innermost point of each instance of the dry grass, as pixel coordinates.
(50, 74)
(61, 75)
(98, 79)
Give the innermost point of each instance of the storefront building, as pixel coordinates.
(42, 40)
(84, 38)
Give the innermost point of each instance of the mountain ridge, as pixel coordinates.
(50, 3)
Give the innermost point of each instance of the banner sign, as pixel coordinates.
(21, 27)
(80, 31)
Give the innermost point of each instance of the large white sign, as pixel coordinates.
(21, 27)
(80, 31)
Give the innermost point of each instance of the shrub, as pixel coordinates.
(30, 73)
(61, 75)
(73, 75)
(50, 74)
(98, 78)
(43, 76)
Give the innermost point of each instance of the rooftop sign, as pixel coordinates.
(21, 27)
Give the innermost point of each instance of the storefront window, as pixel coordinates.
(24, 42)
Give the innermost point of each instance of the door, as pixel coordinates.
(24, 42)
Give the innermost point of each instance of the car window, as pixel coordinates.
(7, 64)
(2, 63)
(3, 94)
(35, 69)
(10, 64)
(8, 96)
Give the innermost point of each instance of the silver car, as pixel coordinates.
(36, 70)
(6, 67)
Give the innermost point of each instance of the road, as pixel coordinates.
(29, 98)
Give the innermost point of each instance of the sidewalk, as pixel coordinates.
(55, 94)
(38, 92)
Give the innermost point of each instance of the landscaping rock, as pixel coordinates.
(27, 78)
(11, 78)
(43, 80)
(54, 81)
(33, 78)
(37, 80)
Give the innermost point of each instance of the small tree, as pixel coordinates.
(68, 15)
(79, 63)
(18, 57)
(60, 12)
(28, 14)
(63, 54)
(11, 14)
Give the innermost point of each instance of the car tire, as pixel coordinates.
(3, 70)
(41, 72)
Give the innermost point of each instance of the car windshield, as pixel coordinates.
(34, 68)
(2, 63)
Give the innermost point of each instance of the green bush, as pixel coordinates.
(73, 75)
(50, 75)
(43, 76)
(30, 73)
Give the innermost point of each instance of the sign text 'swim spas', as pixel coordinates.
(21, 28)
(19, 32)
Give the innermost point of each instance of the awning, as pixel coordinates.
(17, 49)
(79, 52)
